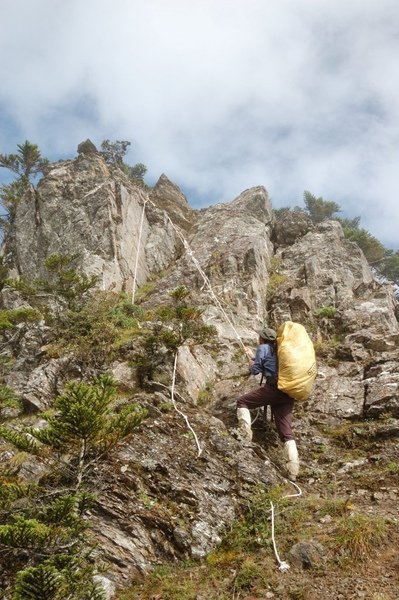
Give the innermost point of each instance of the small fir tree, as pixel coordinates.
(318, 209)
(114, 154)
(27, 162)
(85, 424)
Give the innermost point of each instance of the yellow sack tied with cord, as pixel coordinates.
(296, 361)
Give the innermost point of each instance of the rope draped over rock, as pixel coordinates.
(138, 250)
(283, 565)
(196, 264)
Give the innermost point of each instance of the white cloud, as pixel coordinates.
(219, 94)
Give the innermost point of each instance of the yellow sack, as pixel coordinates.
(296, 361)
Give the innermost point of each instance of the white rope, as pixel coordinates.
(138, 251)
(204, 276)
(294, 495)
(282, 564)
(94, 190)
(172, 395)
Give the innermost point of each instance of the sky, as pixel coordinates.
(220, 95)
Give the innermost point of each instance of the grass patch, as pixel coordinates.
(205, 394)
(358, 535)
(163, 582)
(249, 575)
(351, 435)
(328, 312)
(275, 281)
(335, 507)
(327, 348)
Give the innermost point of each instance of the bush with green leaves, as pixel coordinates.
(85, 424)
(389, 266)
(58, 579)
(96, 331)
(9, 319)
(327, 312)
(170, 326)
(51, 533)
(10, 195)
(64, 282)
(114, 154)
(8, 397)
(372, 248)
(27, 162)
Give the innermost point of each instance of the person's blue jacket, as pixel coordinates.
(265, 361)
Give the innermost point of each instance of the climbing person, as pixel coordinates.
(265, 362)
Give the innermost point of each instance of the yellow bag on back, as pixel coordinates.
(296, 361)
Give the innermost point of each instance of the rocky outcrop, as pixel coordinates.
(87, 147)
(160, 500)
(290, 226)
(168, 197)
(323, 270)
(83, 206)
(231, 245)
(382, 387)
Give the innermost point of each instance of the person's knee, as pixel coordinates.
(240, 403)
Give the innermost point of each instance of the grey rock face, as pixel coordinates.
(159, 468)
(339, 392)
(231, 243)
(382, 388)
(82, 206)
(43, 384)
(292, 226)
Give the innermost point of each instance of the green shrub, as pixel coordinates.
(10, 318)
(172, 325)
(248, 574)
(64, 281)
(372, 248)
(325, 311)
(275, 281)
(389, 266)
(8, 398)
(327, 348)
